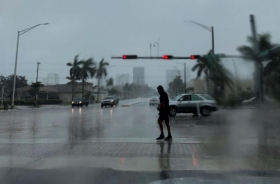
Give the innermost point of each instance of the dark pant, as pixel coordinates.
(163, 116)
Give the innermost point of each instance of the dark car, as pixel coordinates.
(109, 101)
(79, 102)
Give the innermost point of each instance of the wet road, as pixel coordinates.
(58, 144)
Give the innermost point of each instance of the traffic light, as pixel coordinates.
(167, 57)
(129, 56)
(195, 57)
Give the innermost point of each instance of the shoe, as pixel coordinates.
(160, 137)
(168, 138)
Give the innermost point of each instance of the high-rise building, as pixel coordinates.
(139, 75)
(171, 74)
(122, 79)
(53, 79)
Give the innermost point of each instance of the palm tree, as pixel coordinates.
(213, 70)
(34, 90)
(264, 41)
(110, 81)
(87, 70)
(101, 72)
(203, 66)
(74, 73)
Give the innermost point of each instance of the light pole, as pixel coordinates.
(211, 29)
(150, 50)
(15, 71)
(157, 46)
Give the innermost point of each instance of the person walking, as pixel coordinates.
(163, 114)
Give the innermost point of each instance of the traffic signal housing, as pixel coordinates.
(195, 57)
(129, 56)
(166, 57)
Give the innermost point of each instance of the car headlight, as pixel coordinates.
(112, 100)
(72, 102)
(80, 101)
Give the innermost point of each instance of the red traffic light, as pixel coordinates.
(129, 56)
(167, 57)
(195, 57)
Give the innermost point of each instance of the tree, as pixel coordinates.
(87, 70)
(271, 71)
(204, 65)
(176, 86)
(213, 70)
(221, 77)
(110, 81)
(35, 88)
(101, 72)
(74, 73)
(8, 82)
(114, 91)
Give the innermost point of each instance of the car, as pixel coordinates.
(250, 101)
(192, 103)
(154, 101)
(79, 102)
(109, 101)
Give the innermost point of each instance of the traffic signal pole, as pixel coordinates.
(257, 76)
(213, 45)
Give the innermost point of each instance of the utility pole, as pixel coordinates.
(213, 45)
(257, 76)
(2, 96)
(38, 63)
(185, 79)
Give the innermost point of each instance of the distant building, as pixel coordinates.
(122, 79)
(197, 86)
(171, 74)
(139, 75)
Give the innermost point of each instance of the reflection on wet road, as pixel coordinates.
(123, 139)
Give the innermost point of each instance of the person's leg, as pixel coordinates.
(160, 120)
(167, 125)
(160, 126)
(169, 137)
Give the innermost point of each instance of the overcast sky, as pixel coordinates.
(105, 28)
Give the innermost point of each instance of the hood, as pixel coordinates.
(172, 102)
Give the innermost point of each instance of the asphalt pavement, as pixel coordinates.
(60, 144)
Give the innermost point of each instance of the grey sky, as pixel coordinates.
(95, 28)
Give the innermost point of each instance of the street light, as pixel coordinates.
(211, 29)
(15, 71)
(157, 46)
